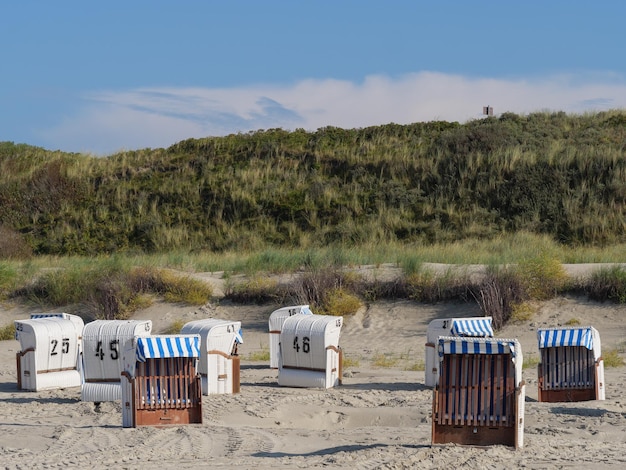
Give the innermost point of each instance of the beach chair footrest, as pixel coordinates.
(474, 435)
(167, 417)
(567, 395)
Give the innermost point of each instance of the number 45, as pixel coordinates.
(306, 344)
(113, 346)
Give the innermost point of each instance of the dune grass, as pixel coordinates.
(609, 284)
(110, 288)
(383, 361)
(350, 362)
(521, 268)
(530, 361)
(262, 355)
(503, 250)
(612, 358)
(7, 332)
(174, 327)
(410, 257)
(404, 361)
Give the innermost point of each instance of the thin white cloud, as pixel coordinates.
(159, 117)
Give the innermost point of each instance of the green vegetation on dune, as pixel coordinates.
(549, 174)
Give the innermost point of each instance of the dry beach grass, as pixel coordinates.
(378, 418)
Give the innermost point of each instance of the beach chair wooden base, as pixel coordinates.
(474, 436)
(566, 395)
(166, 392)
(168, 417)
(568, 374)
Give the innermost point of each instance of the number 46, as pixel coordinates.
(306, 344)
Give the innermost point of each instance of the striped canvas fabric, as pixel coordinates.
(455, 345)
(154, 347)
(473, 328)
(576, 336)
(48, 315)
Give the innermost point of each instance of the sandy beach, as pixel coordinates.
(379, 418)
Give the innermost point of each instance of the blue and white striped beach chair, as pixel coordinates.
(160, 384)
(571, 366)
(479, 398)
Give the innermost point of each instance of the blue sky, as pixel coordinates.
(99, 77)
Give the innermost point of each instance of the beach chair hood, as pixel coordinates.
(157, 347)
(456, 345)
(472, 327)
(587, 337)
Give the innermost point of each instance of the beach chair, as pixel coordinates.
(571, 366)
(160, 382)
(479, 397)
(309, 351)
(276, 320)
(103, 343)
(219, 364)
(475, 327)
(49, 357)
